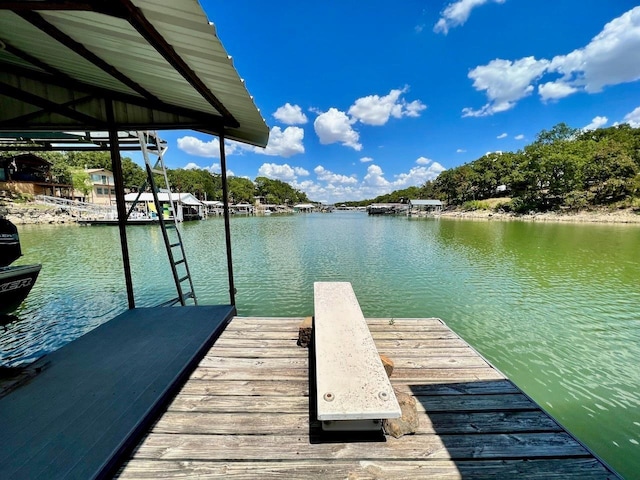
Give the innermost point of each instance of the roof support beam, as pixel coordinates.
(148, 31)
(37, 21)
(116, 164)
(227, 223)
(43, 103)
(199, 118)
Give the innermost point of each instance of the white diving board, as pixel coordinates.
(353, 390)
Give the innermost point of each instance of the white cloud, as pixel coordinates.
(199, 148)
(457, 13)
(284, 172)
(290, 115)
(375, 177)
(213, 168)
(366, 159)
(332, 178)
(555, 90)
(333, 187)
(504, 82)
(423, 161)
(633, 118)
(597, 122)
(419, 28)
(461, 150)
(519, 137)
(376, 110)
(501, 136)
(417, 176)
(612, 57)
(284, 143)
(334, 126)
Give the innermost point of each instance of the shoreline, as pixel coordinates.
(35, 214)
(623, 216)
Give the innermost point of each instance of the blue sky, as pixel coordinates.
(364, 98)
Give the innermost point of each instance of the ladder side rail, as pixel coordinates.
(160, 152)
(163, 227)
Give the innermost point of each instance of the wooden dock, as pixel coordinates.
(248, 412)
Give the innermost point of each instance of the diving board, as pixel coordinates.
(353, 390)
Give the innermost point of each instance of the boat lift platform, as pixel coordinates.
(95, 397)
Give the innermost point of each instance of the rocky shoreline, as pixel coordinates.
(627, 215)
(33, 213)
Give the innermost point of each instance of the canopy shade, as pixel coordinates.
(158, 62)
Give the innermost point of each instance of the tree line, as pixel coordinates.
(69, 168)
(564, 168)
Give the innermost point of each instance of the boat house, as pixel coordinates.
(188, 207)
(424, 207)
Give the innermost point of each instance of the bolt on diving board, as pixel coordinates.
(353, 390)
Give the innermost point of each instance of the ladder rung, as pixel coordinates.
(169, 225)
(155, 170)
(173, 245)
(183, 278)
(179, 262)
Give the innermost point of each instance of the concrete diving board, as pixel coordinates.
(353, 390)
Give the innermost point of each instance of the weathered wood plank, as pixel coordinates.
(254, 344)
(426, 335)
(465, 388)
(437, 362)
(430, 375)
(424, 353)
(291, 447)
(259, 363)
(234, 352)
(294, 388)
(261, 335)
(265, 324)
(404, 321)
(420, 344)
(230, 373)
(552, 469)
(288, 404)
(477, 402)
(277, 423)
(407, 328)
(239, 404)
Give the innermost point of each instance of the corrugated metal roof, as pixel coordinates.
(431, 203)
(159, 60)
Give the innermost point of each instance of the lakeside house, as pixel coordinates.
(29, 174)
(103, 189)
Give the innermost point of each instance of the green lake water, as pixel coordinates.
(556, 307)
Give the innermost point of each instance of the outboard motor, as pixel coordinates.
(9, 243)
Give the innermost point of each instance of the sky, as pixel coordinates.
(364, 98)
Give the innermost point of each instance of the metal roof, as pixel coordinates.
(432, 203)
(158, 62)
(184, 198)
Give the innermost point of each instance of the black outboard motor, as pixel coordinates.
(9, 243)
